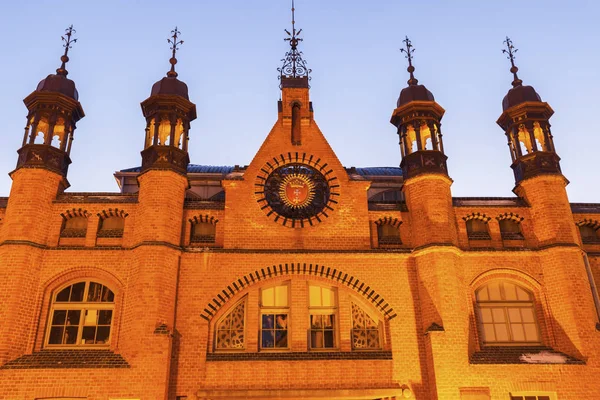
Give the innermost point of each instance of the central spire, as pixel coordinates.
(511, 51)
(174, 43)
(409, 50)
(294, 65)
(68, 44)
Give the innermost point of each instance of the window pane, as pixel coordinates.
(88, 335)
(315, 296)
(486, 315)
(63, 295)
(281, 321)
(494, 291)
(268, 339)
(91, 317)
(514, 315)
(523, 295)
(510, 291)
(281, 338)
(498, 314)
(531, 333)
(102, 334)
(59, 317)
(488, 333)
(71, 335)
(482, 294)
(315, 321)
(56, 335)
(77, 292)
(76, 223)
(107, 295)
(112, 223)
(328, 339)
(281, 296)
(518, 335)
(268, 297)
(327, 321)
(94, 292)
(104, 317)
(527, 314)
(316, 339)
(501, 333)
(73, 317)
(328, 296)
(268, 321)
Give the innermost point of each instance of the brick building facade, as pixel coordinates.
(294, 277)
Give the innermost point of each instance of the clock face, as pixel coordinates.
(297, 191)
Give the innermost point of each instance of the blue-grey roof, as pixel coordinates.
(224, 169)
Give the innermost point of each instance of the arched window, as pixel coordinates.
(203, 232)
(229, 332)
(74, 227)
(322, 305)
(274, 316)
(477, 229)
(388, 234)
(510, 229)
(81, 315)
(506, 314)
(589, 234)
(111, 226)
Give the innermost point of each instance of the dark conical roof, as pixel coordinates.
(519, 94)
(58, 83)
(170, 85)
(414, 93)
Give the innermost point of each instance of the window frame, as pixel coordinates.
(82, 306)
(216, 349)
(274, 310)
(368, 313)
(203, 239)
(383, 240)
(505, 305)
(476, 234)
(322, 310)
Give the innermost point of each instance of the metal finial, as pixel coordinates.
(174, 43)
(293, 64)
(511, 51)
(409, 50)
(68, 44)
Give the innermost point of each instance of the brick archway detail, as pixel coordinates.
(477, 215)
(75, 212)
(203, 218)
(304, 269)
(395, 222)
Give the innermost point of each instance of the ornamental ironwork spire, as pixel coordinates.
(294, 65)
(511, 51)
(68, 44)
(174, 43)
(409, 50)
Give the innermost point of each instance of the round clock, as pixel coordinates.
(296, 193)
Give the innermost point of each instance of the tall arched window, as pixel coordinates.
(506, 314)
(81, 315)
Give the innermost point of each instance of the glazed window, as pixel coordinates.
(111, 227)
(203, 232)
(589, 234)
(365, 330)
(506, 314)
(274, 317)
(388, 234)
(81, 315)
(510, 230)
(74, 227)
(477, 229)
(322, 312)
(230, 329)
(530, 397)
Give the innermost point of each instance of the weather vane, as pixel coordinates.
(294, 65)
(510, 51)
(174, 43)
(409, 50)
(68, 44)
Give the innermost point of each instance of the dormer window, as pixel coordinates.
(477, 229)
(510, 229)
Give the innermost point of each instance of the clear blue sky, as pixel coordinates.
(232, 50)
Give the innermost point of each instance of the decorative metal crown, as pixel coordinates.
(294, 65)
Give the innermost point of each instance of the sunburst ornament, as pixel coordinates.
(297, 191)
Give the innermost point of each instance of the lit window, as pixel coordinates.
(274, 317)
(589, 234)
(477, 229)
(506, 314)
(510, 230)
(74, 227)
(81, 314)
(388, 234)
(230, 329)
(111, 227)
(365, 331)
(203, 232)
(322, 310)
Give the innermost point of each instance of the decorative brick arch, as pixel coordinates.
(112, 212)
(264, 274)
(511, 216)
(512, 274)
(476, 215)
(592, 223)
(203, 218)
(75, 212)
(395, 222)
